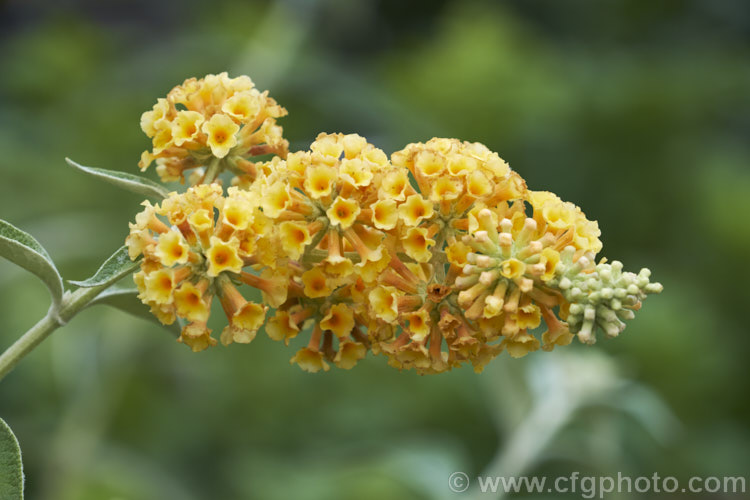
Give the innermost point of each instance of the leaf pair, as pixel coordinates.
(25, 251)
(123, 298)
(22, 249)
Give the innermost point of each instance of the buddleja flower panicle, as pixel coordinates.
(436, 257)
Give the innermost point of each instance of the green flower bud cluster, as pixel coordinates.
(600, 295)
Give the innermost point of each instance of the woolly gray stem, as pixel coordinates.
(72, 304)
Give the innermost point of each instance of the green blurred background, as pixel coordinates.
(638, 111)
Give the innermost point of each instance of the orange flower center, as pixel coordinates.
(221, 257)
(299, 236)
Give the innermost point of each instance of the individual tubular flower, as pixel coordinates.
(194, 247)
(217, 123)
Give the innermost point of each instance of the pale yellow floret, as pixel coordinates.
(281, 327)
(528, 316)
(559, 215)
(384, 214)
(559, 338)
(202, 222)
(339, 320)
(164, 313)
(223, 256)
(190, 302)
(243, 106)
(319, 181)
(310, 360)
(587, 234)
(149, 118)
(456, 253)
(237, 213)
(496, 166)
(245, 323)
(197, 336)
(429, 164)
(138, 241)
(159, 286)
(171, 249)
(298, 162)
(375, 157)
(276, 199)
(477, 184)
(349, 354)
(343, 212)
(147, 158)
(445, 189)
(327, 145)
(384, 303)
(353, 145)
(520, 345)
(316, 283)
(294, 238)
(221, 131)
(186, 126)
(369, 270)
(415, 210)
(355, 172)
(419, 325)
(512, 268)
(549, 259)
(417, 244)
(163, 138)
(460, 165)
(394, 185)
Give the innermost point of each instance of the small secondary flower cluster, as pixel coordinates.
(435, 257)
(215, 123)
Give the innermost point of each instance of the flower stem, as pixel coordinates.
(213, 171)
(439, 259)
(72, 304)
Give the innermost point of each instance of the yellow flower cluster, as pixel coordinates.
(194, 246)
(215, 123)
(436, 257)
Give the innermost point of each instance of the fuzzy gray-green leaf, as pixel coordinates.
(125, 298)
(23, 250)
(130, 182)
(114, 268)
(11, 467)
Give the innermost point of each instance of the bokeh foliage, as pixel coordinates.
(635, 110)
